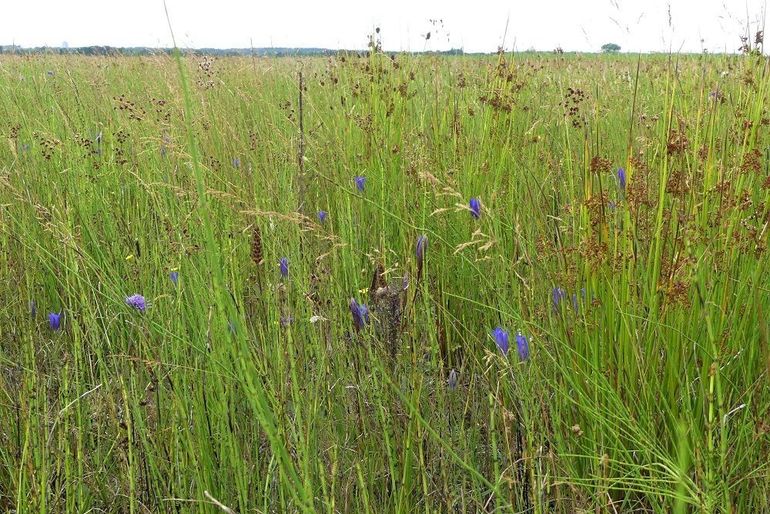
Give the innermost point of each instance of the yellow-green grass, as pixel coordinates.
(646, 388)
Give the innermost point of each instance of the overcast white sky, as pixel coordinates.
(478, 25)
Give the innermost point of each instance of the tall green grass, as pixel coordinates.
(646, 387)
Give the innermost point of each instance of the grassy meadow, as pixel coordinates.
(582, 340)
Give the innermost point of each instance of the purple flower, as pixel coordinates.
(557, 296)
(137, 302)
(283, 265)
(622, 178)
(236, 163)
(452, 380)
(54, 320)
(501, 338)
(419, 250)
(174, 276)
(360, 182)
(360, 314)
(475, 206)
(322, 215)
(522, 345)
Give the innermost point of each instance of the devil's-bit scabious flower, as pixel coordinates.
(622, 178)
(360, 314)
(360, 182)
(557, 295)
(522, 345)
(54, 320)
(322, 215)
(136, 301)
(283, 265)
(174, 276)
(452, 380)
(475, 206)
(501, 339)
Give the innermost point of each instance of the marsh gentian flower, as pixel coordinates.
(475, 206)
(283, 265)
(419, 251)
(360, 314)
(54, 320)
(501, 338)
(557, 296)
(622, 178)
(452, 380)
(322, 215)
(360, 182)
(174, 276)
(522, 345)
(137, 302)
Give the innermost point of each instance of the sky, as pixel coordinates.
(475, 26)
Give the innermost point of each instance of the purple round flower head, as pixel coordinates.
(557, 296)
(54, 320)
(360, 182)
(322, 215)
(137, 302)
(360, 314)
(283, 265)
(622, 178)
(475, 206)
(174, 276)
(501, 338)
(522, 345)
